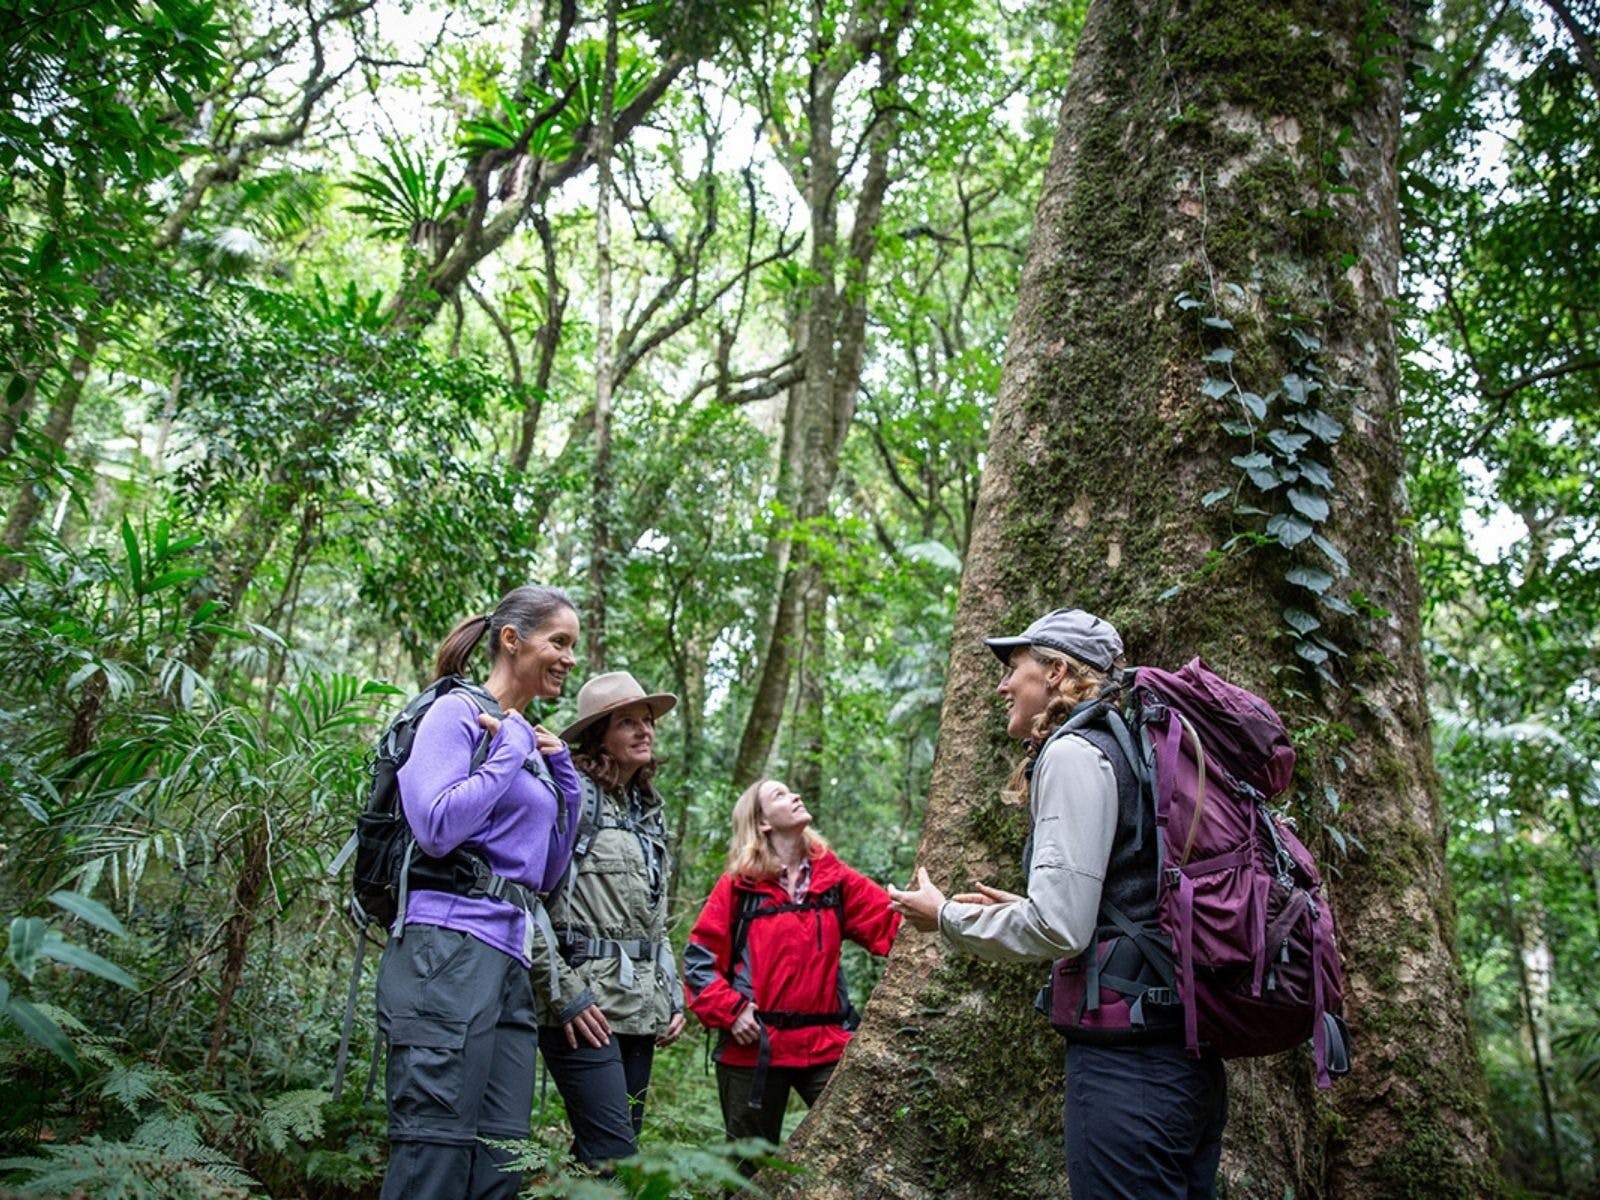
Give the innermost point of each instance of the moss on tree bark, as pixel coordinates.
(1200, 145)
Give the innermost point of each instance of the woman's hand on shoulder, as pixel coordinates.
(547, 742)
(492, 724)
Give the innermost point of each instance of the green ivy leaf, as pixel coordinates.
(1237, 428)
(1289, 531)
(1299, 620)
(1311, 652)
(1216, 389)
(1251, 462)
(1316, 473)
(1222, 354)
(1340, 563)
(1289, 444)
(1266, 479)
(1254, 405)
(1305, 341)
(1310, 578)
(1186, 302)
(1323, 427)
(1309, 504)
(1296, 388)
(1211, 498)
(1336, 604)
(1221, 323)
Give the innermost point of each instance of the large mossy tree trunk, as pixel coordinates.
(1233, 161)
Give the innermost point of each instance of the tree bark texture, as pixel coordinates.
(1245, 154)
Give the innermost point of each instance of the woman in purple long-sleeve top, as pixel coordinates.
(454, 997)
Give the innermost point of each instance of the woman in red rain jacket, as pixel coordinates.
(762, 962)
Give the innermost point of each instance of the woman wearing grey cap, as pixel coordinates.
(1143, 1120)
(617, 996)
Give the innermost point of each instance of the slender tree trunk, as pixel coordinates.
(600, 496)
(1530, 1006)
(57, 429)
(1202, 148)
(247, 895)
(832, 343)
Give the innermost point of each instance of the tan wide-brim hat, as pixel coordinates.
(604, 694)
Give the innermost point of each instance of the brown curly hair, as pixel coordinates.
(589, 756)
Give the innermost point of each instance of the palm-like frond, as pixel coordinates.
(405, 192)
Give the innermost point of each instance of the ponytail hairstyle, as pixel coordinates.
(750, 854)
(1080, 682)
(525, 609)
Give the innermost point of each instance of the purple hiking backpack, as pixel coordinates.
(1253, 962)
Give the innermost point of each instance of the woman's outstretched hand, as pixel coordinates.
(920, 904)
(987, 895)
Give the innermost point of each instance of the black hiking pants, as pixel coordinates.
(734, 1085)
(1144, 1122)
(604, 1089)
(458, 1016)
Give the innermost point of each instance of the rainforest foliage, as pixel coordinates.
(323, 324)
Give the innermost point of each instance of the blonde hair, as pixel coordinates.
(1079, 682)
(750, 852)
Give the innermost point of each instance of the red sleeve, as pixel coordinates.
(868, 920)
(707, 958)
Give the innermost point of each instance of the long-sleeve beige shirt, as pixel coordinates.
(1074, 810)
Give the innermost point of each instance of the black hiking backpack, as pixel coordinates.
(388, 863)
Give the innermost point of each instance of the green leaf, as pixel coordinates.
(1305, 341)
(1290, 444)
(135, 566)
(1221, 354)
(88, 909)
(27, 936)
(1340, 563)
(1216, 389)
(1186, 302)
(1217, 323)
(1311, 652)
(1310, 578)
(1254, 405)
(41, 1030)
(1315, 473)
(1251, 462)
(1211, 498)
(1288, 530)
(1309, 504)
(1320, 425)
(1336, 604)
(73, 955)
(1299, 620)
(1236, 428)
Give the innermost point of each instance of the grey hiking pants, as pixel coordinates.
(458, 1016)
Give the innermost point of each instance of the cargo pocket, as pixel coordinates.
(427, 1062)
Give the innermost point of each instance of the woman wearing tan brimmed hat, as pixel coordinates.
(617, 995)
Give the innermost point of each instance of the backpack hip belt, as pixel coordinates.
(579, 948)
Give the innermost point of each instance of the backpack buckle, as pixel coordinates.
(1163, 996)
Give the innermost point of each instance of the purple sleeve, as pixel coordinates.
(445, 801)
(571, 796)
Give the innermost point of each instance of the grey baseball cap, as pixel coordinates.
(1070, 630)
